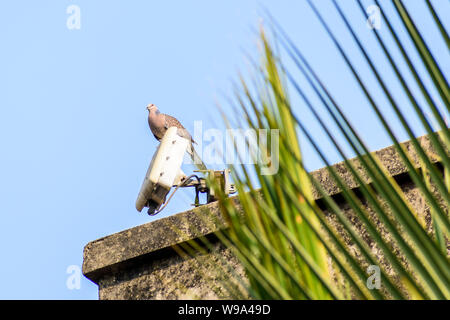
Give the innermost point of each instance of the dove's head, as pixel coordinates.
(151, 107)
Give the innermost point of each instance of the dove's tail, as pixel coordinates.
(196, 158)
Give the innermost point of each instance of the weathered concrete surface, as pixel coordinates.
(105, 253)
(388, 157)
(145, 262)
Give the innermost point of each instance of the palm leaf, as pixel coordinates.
(287, 244)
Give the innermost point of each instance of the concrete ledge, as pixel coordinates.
(388, 157)
(108, 253)
(143, 246)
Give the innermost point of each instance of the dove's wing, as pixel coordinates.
(182, 132)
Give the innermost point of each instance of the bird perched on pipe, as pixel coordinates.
(160, 122)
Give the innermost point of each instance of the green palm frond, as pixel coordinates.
(291, 247)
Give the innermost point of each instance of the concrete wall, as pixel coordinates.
(150, 261)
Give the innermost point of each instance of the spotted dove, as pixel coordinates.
(160, 122)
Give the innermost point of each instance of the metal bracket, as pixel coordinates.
(200, 185)
(222, 177)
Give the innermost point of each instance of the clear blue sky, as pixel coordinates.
(73, 133)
